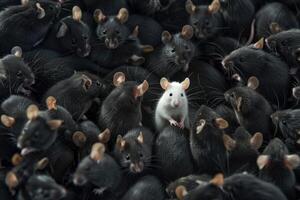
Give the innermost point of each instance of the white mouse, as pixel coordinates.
(172, 107)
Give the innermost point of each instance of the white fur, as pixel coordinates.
(165, 109)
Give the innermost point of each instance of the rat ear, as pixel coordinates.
(190, 7)
(253, 83)
(63, 28)
(16, 159)
(275, 28)
(54, 124)
(200, 126)
(164, 83)
(122, 15)
(141, 89)
(218, 180)
(76, 13)
(262, 161)
(257, 140)
(97, 152)
(185, 84)
(99, 17)
(41, 11)
(17, 51)
(24, 2)
(166, 37)
(292, 161)
(147, 48)
(121, 143)
(229, 143)
(79, 138)
(239, 104)
(104, 136)
(119, 79)
(135, 31)
(221, 123)
(259, 44)
(214, 6)
(7, 121)
(42, 164)
(181, 192)
(32, 112)
(141, 138)
(51, 103)
(187, 32)
(11, 180)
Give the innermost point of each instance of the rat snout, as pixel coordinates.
(227, 63)
(111, 43)
(137, 167)
(79, 179)
(275, 118)
(296, 92)
(175, 103)
(84, 52)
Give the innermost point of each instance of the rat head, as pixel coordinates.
(73, 34)
(288, 122)
(247, 58)
(38, 133)
(286, 43)
(178, 49)
(276, 155)
(244, 140)
(44, 10)
(174, 95)
(128, 94)
(15, 73)
(244, 98)
(208, 191)
(86, 84)
(206, 20)
(87, 168)
(42, 187)
(132, 154)
(111, 30)
(207, 119)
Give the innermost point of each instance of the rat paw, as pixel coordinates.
(181, 124)
(99, 191)
(173, 122)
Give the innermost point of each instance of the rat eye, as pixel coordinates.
(283, 122)
(128, 157)
(284, 42)
(181, 94)
(141, 155)
(171, 94)
(104, 32)
(242, 59)
(85, 37)
(118, 32)
(195, 23)
(206, 22)
(19, 74)
(186, 47)
(73, 41)
(98, 83)
(173, 50)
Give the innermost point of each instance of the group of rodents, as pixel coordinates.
(149, 99)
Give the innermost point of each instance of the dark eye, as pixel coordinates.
(98, 83)
(52, 8)
(85, 37)
(118, 32)
(181, 94)
(284, 43)
(104, 32)
(195, 23)
(73, 41)
(141, 155)
(173, 50)
(283, 122)
(207, 23)
(186, 47)
(19, 74)
(242, 59)
(171, 94)
(128, 157)
(232, 95)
